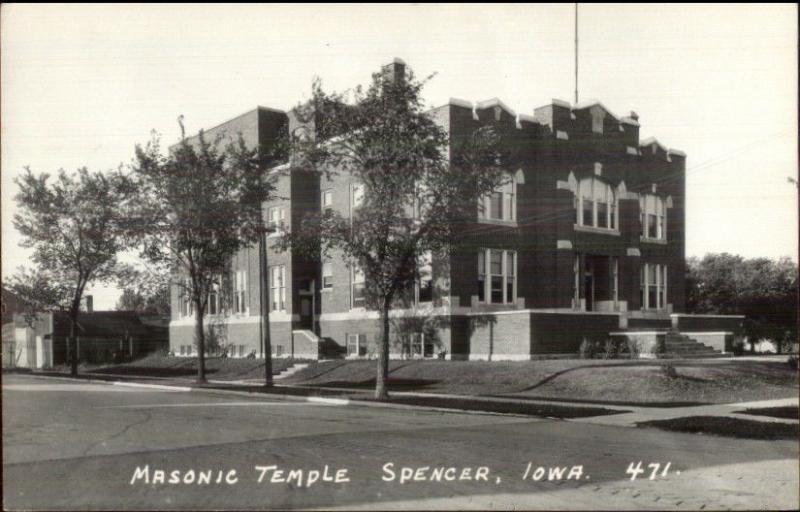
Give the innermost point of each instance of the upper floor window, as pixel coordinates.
(497, 276)
(596, 204)
(425, 279)
(276, 218)
(653, 213)
(327, 198)
(358, 297)
(214, 298)
(277, 288)
(327, 275)
(356, 195)
(501, 204)
(240, 292)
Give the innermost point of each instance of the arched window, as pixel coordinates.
(653, 214)
(596, 204)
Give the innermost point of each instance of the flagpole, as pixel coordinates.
(576, 52)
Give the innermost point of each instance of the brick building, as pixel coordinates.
(587, 242)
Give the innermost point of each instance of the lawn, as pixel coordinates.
(728, 427)
(217, 368)
(623, 382)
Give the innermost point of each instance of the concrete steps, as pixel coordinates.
(682, 346)
(288, 372)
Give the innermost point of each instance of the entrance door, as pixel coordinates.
(588, 290)
(306, 312)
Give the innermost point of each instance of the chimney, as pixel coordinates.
(89, 303)
(395, 71)
(634, 116)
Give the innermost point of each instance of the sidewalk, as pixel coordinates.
(724, 410)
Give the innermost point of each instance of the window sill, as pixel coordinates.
(592, 229)
(648, 240)
(499, 222)
(326, 290)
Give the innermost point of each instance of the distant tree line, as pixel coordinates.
(762, 289)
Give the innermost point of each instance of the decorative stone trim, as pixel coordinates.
(633, 251)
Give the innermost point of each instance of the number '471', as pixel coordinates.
(636, 470)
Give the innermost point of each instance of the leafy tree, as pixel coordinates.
(419, 186)
(73, 225)
(763, 290)
(196, 207)
(149, 295)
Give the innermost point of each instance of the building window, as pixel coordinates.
(187, 305)
(278, 288)
(276, 218)
(596, 204)
(356, 345)
(653, 214)
(327, 275)
(576, 285)
(501, 204)
(425, 279)
(597, 121)
(213, 299)
(357, 288)
(356, 195)
(240, 292)
(653, 286)
(327, 198)
(417, 346)
(497, 279)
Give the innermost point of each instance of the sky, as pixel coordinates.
(81, 85)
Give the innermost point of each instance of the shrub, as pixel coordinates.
(793, 363)
(669, 371)
(586, 349)
(738, 346)
(634, 349)
(610, 349)
(660, 348)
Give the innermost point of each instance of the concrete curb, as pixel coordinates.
(162, 387)
(309, 399)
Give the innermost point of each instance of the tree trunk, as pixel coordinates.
(381, 393)
(200, 336)
(73, 346)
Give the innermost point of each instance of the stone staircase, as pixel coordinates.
(682, 346)
(291, 370)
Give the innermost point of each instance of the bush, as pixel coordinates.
(634, 349)
(611, 349)
(661, 346)
(738, 346)
(587, 349)
(793, 363)
(669, 371)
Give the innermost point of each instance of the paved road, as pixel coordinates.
(69, 445)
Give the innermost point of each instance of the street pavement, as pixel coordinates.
(88, 445)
